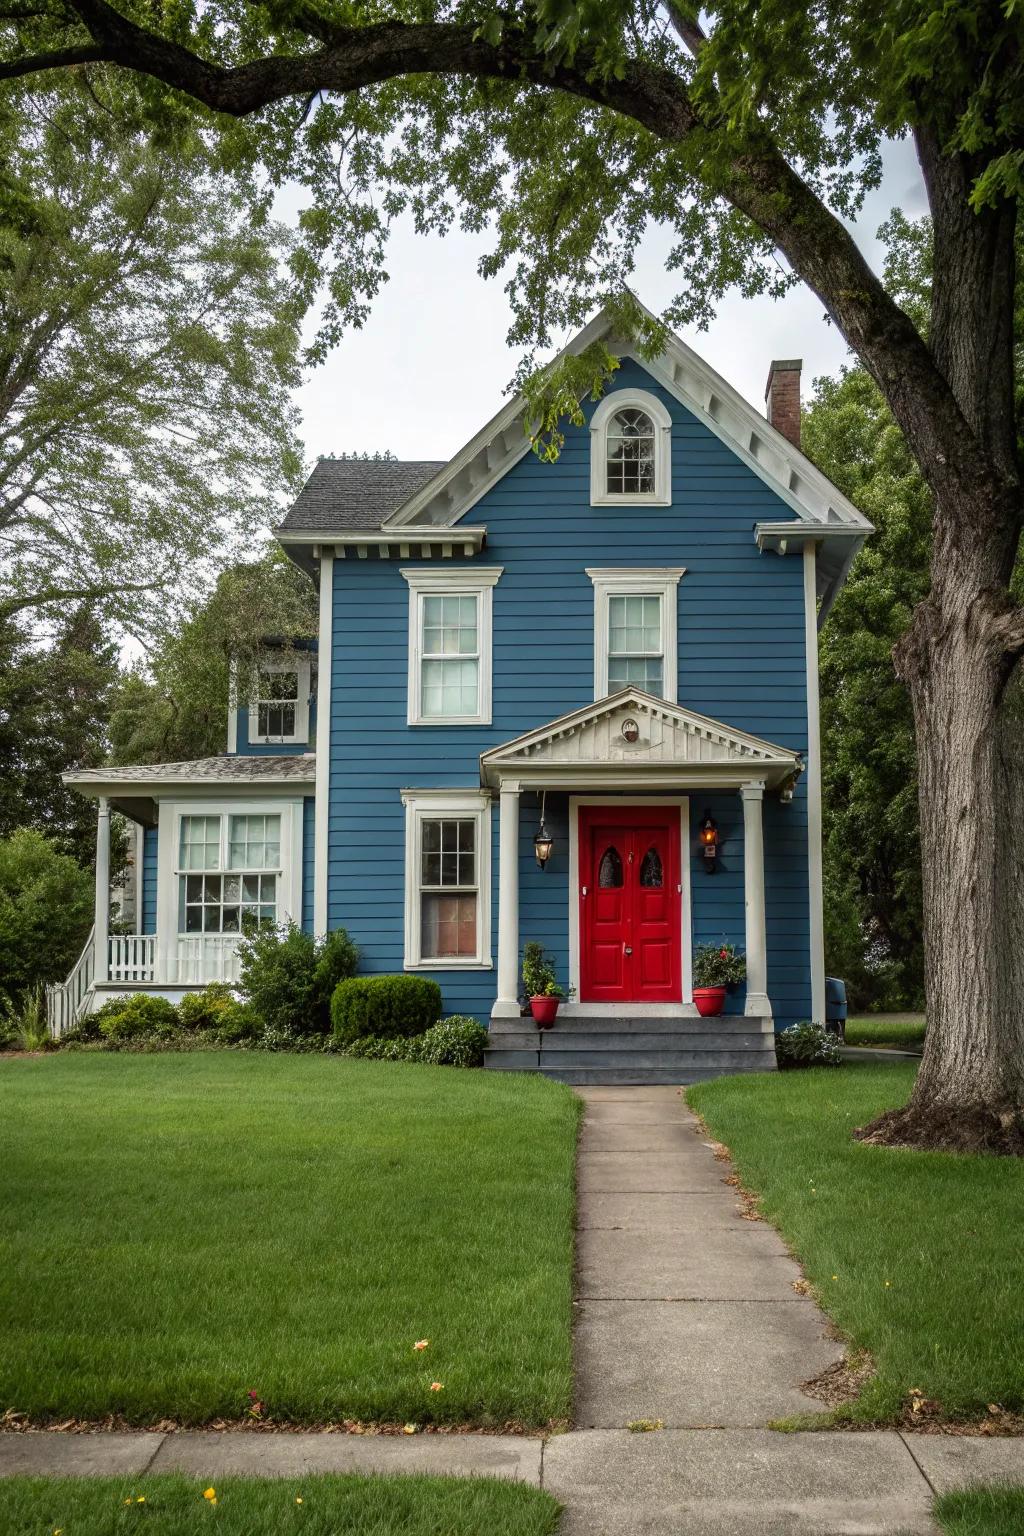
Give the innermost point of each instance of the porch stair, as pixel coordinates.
(595, 1048)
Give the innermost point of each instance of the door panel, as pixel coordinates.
(630, 905)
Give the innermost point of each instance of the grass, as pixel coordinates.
(182, 1229)
(346, 1505)
(901, 1030)
(996, 1511)
(915, 1255)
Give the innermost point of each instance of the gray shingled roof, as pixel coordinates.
(274, 766)
(357, 493)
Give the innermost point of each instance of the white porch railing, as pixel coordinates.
(66, 1000)
(207, 957)
(131, 957)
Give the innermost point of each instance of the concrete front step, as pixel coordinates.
(678, 1062)
(629, 1024)
(620, 1077)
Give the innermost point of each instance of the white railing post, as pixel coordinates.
(102, 926)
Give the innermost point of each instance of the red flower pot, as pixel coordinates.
(544, 1010)
(709, 1000)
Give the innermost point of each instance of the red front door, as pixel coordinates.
(630, 917)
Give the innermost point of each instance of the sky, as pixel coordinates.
(431, 364)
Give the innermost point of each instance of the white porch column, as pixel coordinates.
(753, 901)
(101, 953)
(506, 1004)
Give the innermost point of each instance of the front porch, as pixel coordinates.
(629, 779)
(220, 840)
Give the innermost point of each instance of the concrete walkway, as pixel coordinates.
(686, 1313)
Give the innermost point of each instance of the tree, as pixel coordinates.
(873, 918)
(45, 911)
(179, 708)
(55, 703)
(569, 124)
(148, 345)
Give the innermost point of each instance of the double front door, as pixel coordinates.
(630, 904)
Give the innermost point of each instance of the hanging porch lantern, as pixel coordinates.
(709, 842)
(543, 842)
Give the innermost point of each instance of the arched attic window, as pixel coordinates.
(631, 451)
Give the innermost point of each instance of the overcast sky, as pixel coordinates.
(430, 366)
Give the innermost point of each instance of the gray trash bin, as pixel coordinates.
(835, 1006)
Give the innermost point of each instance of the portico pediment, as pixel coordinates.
(631, 740)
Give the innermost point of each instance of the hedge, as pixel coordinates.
(387, 1007)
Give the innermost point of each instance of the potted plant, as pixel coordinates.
(540, 984)
(716, 968)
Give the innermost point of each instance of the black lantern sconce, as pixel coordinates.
(543, 842)
(709, 842)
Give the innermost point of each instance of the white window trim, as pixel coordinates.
(624, 400)
(478, 583)
(300, 663)
(289, 901)
(451, 804)
(637, 581)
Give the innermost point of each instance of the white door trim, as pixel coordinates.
(685, 1007)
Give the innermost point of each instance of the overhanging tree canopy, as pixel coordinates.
(566, 125)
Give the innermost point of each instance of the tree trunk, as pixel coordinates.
(969, 1093)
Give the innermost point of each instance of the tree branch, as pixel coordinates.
(687, 28)
(757, 179)
(73, 594)
(59, 58)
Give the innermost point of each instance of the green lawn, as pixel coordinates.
(331, 1506)
(181, 1229)
(997, 1511)
(904, 1030)
(916, 1255)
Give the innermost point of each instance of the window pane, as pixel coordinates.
(450, 625)
(200, 842)
(455, 863)
(630, 453)
(448, 926)
(254, 842)
(449, 688)
(650, 870)
(609, 874)
(644, 672)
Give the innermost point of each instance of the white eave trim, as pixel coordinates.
(386, 542)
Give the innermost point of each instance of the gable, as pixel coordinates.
(633, 734)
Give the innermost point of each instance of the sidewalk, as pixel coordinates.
(685, 1314)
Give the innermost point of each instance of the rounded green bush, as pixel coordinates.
(807, 1045)
(131, 1018)
(289, 977)
(389, 1007)
(459, 1041)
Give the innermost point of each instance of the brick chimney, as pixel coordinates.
(782, 396)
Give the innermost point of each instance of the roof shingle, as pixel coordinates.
(274, 766)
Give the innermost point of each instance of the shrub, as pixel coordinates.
(136, 1016)
(45, 910)
(216, 1011)
(390, 1007)
(807, 1045)
(455, 1042)
(539, 977)
(289, 977)
(378, 1048)
(718, 965)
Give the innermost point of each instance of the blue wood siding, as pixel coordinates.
(741, 660)
(308, 839)
(148, 912)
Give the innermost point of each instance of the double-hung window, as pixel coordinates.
(447, 879)
(279, 710)
(229, 870)
(450, 645)
(635, 631)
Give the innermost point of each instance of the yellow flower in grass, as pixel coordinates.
(437, 1386)
(298, 1499)
(210, 1494)
(421, 1344)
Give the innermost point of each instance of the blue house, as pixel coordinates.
(542, 695)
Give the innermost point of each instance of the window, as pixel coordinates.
(631, 450)
(279, 712)
(450, 645)
(635, 630)
(629, 453)
(447, 879)
(635, 652)
(228, 871)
